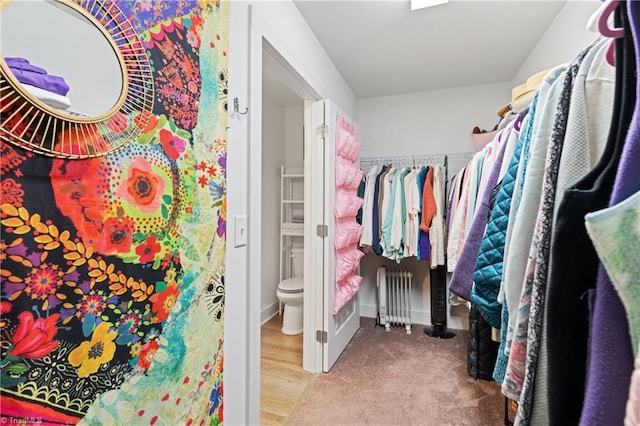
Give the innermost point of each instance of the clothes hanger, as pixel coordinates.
(603, 27)
(603, 20)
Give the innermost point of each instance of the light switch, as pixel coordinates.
(240, 237)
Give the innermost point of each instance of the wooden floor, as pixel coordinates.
(282, 380)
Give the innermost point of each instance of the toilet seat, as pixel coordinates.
(291, 285)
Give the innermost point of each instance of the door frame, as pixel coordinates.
(314, 213)
(263, 36)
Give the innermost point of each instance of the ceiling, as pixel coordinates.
(383, 48)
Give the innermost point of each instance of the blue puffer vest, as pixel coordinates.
(487, 273)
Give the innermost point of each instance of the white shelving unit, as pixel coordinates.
(291, 218)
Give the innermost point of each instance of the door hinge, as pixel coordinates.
(322, 231)
(321, 336)
(323, 131)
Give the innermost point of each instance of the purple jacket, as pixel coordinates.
(462, 279)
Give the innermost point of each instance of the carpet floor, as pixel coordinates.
(391, 378)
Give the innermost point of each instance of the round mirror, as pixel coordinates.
(75, 78)
(61, 57)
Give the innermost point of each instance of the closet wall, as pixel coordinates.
(434, 121)
(294, 116)
(274, 143)
(566, 36)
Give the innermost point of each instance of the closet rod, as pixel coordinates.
(414, 159)
(452, 162)
(383, 159)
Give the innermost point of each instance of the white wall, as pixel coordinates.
(273, 142)
(285, 29)
(437, 121)
(564, 39)
(294, 126)
(241, 379)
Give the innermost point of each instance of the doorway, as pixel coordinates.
(282, 179)
(281, 191)
(293, 153)
(272, 75)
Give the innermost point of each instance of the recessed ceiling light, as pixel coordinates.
(421, 4)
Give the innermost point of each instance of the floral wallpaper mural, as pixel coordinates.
(112, 268)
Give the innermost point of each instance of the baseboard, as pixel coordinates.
(268, 313)
(417, 316)
(454, 322)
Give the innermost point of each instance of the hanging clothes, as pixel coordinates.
(587, 128)
(529, 320)
(428, 202)
(609, 344)
(615, 232)
(487, 283)
(461, 280)
(400, 210)
(399, 214)
(554, 350)
(412, 209)
(375, 210)
(387, 204)
(488, 265)
(436, 231)
(457, 227)
(424, 251)
(527, 206)
(366, 239)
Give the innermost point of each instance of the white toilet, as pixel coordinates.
(291, 294)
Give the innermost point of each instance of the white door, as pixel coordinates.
(333, 332)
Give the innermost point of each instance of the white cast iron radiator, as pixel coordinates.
(394, 297)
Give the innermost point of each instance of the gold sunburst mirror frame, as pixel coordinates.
(30, 124)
